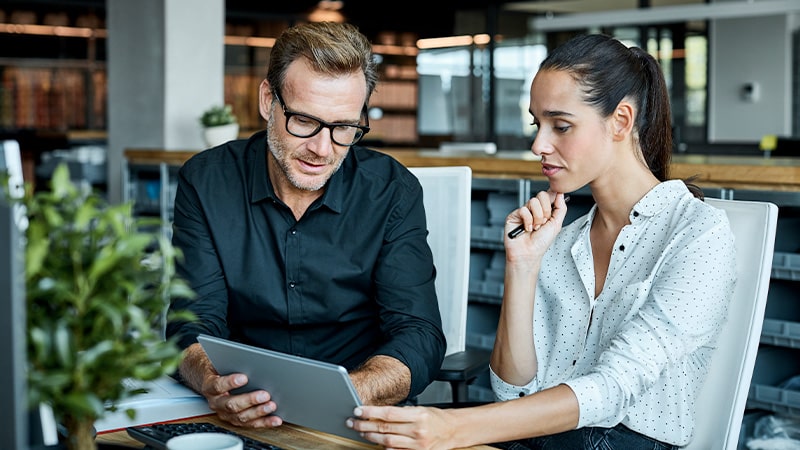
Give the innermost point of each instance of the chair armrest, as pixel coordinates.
(462, 368)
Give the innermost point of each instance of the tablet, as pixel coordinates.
(310, 393)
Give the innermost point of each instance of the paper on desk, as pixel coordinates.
(165, 400)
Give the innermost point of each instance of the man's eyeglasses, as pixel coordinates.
(304, 126)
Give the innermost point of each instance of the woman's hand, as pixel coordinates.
(408, 427)
(541, 217)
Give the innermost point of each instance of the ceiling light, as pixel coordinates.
(327, 11)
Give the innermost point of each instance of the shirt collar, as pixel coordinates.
(659, 198)
(655, 201)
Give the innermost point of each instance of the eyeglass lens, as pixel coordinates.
(304, 126)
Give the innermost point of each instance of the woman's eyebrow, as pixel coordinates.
(556, 113)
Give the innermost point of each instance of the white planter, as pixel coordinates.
(220, 134)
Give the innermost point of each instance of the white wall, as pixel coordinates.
(744, 50)
(195, 68)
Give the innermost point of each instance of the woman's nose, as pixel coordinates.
(540, 144)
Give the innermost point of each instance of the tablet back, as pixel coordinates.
(309, 393)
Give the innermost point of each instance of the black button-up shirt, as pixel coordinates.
(352, 278)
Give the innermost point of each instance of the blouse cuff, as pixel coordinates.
(505, 391)
(591, 401)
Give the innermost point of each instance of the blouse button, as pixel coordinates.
(636, 214)
(522, 394)
(622, 248)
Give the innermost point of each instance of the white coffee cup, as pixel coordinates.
(205, 441)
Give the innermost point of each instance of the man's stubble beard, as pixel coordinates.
(282, 157)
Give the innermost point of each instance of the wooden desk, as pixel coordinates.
(288, 436)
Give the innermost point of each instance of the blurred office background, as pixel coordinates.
(105, 75)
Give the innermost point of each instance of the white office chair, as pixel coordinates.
(447, 193)
(722, 400)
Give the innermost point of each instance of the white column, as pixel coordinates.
(165, 66)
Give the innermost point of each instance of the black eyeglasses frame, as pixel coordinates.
(322, 123)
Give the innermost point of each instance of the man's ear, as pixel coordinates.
(622, 120)
(264, 99)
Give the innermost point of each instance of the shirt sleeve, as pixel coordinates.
(406, 294)
(199, 266)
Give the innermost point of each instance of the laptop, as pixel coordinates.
(309, 393)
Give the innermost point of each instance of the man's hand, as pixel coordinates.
(252, 409)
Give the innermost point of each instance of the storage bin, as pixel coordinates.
(786, 266)
(781, 333)
(774, 366)
(499, 205)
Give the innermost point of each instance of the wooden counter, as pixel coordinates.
(741, 172)
(733, 172)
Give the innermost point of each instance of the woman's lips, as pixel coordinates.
(549, 170)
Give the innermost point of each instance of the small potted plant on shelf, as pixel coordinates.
(219, 125)
(97, 288)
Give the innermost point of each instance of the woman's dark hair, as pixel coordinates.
(607, 72)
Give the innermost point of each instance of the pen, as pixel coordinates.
(521, 227)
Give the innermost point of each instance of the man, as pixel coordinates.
(299, 241)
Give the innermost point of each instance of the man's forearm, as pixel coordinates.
(382, 380)
(195, 367)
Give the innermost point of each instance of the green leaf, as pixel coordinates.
(60, 182)
(61, 344)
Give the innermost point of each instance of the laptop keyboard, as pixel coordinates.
(156, 436)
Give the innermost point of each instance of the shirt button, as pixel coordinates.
(291, 284)
(294, 231)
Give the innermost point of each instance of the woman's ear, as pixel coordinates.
(622, 120)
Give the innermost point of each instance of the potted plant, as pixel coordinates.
(97, 287)
(219, 125)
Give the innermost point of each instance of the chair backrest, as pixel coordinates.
(723, 397)
(447, 193)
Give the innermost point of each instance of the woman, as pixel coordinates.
(607, 325)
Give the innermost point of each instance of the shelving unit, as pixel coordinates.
(152, 189)
(778, 359)
(396, 96)
(68, 91)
